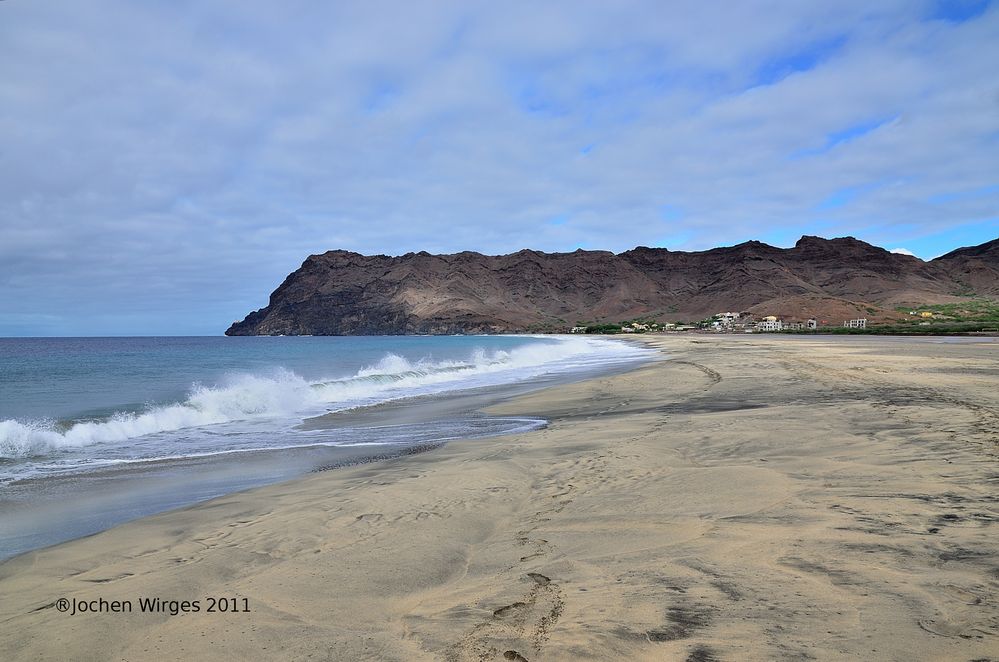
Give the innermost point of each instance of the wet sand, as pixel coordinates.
(752, 498)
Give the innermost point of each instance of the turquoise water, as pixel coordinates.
(70, 405)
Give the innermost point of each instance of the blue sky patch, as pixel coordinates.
(792, 62)
(936, 244)
(845, 135)
(958, 11)
(670, 213)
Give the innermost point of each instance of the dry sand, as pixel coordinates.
(750, 499)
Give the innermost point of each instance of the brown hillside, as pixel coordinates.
(344, 293)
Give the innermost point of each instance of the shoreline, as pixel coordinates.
(756, 499)
(89, 500)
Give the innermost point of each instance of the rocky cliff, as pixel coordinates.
(344, 293)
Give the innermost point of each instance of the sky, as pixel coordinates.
(165, 164)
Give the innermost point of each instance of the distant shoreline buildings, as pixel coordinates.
(947, 319)
(726, 322)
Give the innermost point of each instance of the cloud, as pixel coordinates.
(167, 164)
(902, 251)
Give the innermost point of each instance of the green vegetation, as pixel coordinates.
(973, 310)
(603, 328)
(915, 329)
(611, 327)
(972, 316)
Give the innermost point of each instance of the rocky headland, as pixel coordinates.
(345, 293)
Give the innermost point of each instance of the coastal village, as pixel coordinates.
(726, 322)
(973, 316)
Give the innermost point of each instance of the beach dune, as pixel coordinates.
(744, 499)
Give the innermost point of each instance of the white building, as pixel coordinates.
(812, 324)
(725, 320)
(856, 324)
(769, 325)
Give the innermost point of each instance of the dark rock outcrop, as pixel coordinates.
(344, 293)
(975, 268)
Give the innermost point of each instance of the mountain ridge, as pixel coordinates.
(341, 292)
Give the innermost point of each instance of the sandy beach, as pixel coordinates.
(750, 498)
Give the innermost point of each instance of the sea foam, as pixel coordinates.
(281, 394)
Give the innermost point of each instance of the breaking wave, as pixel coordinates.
(245, 397)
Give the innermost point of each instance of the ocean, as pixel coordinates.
(97, 431)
